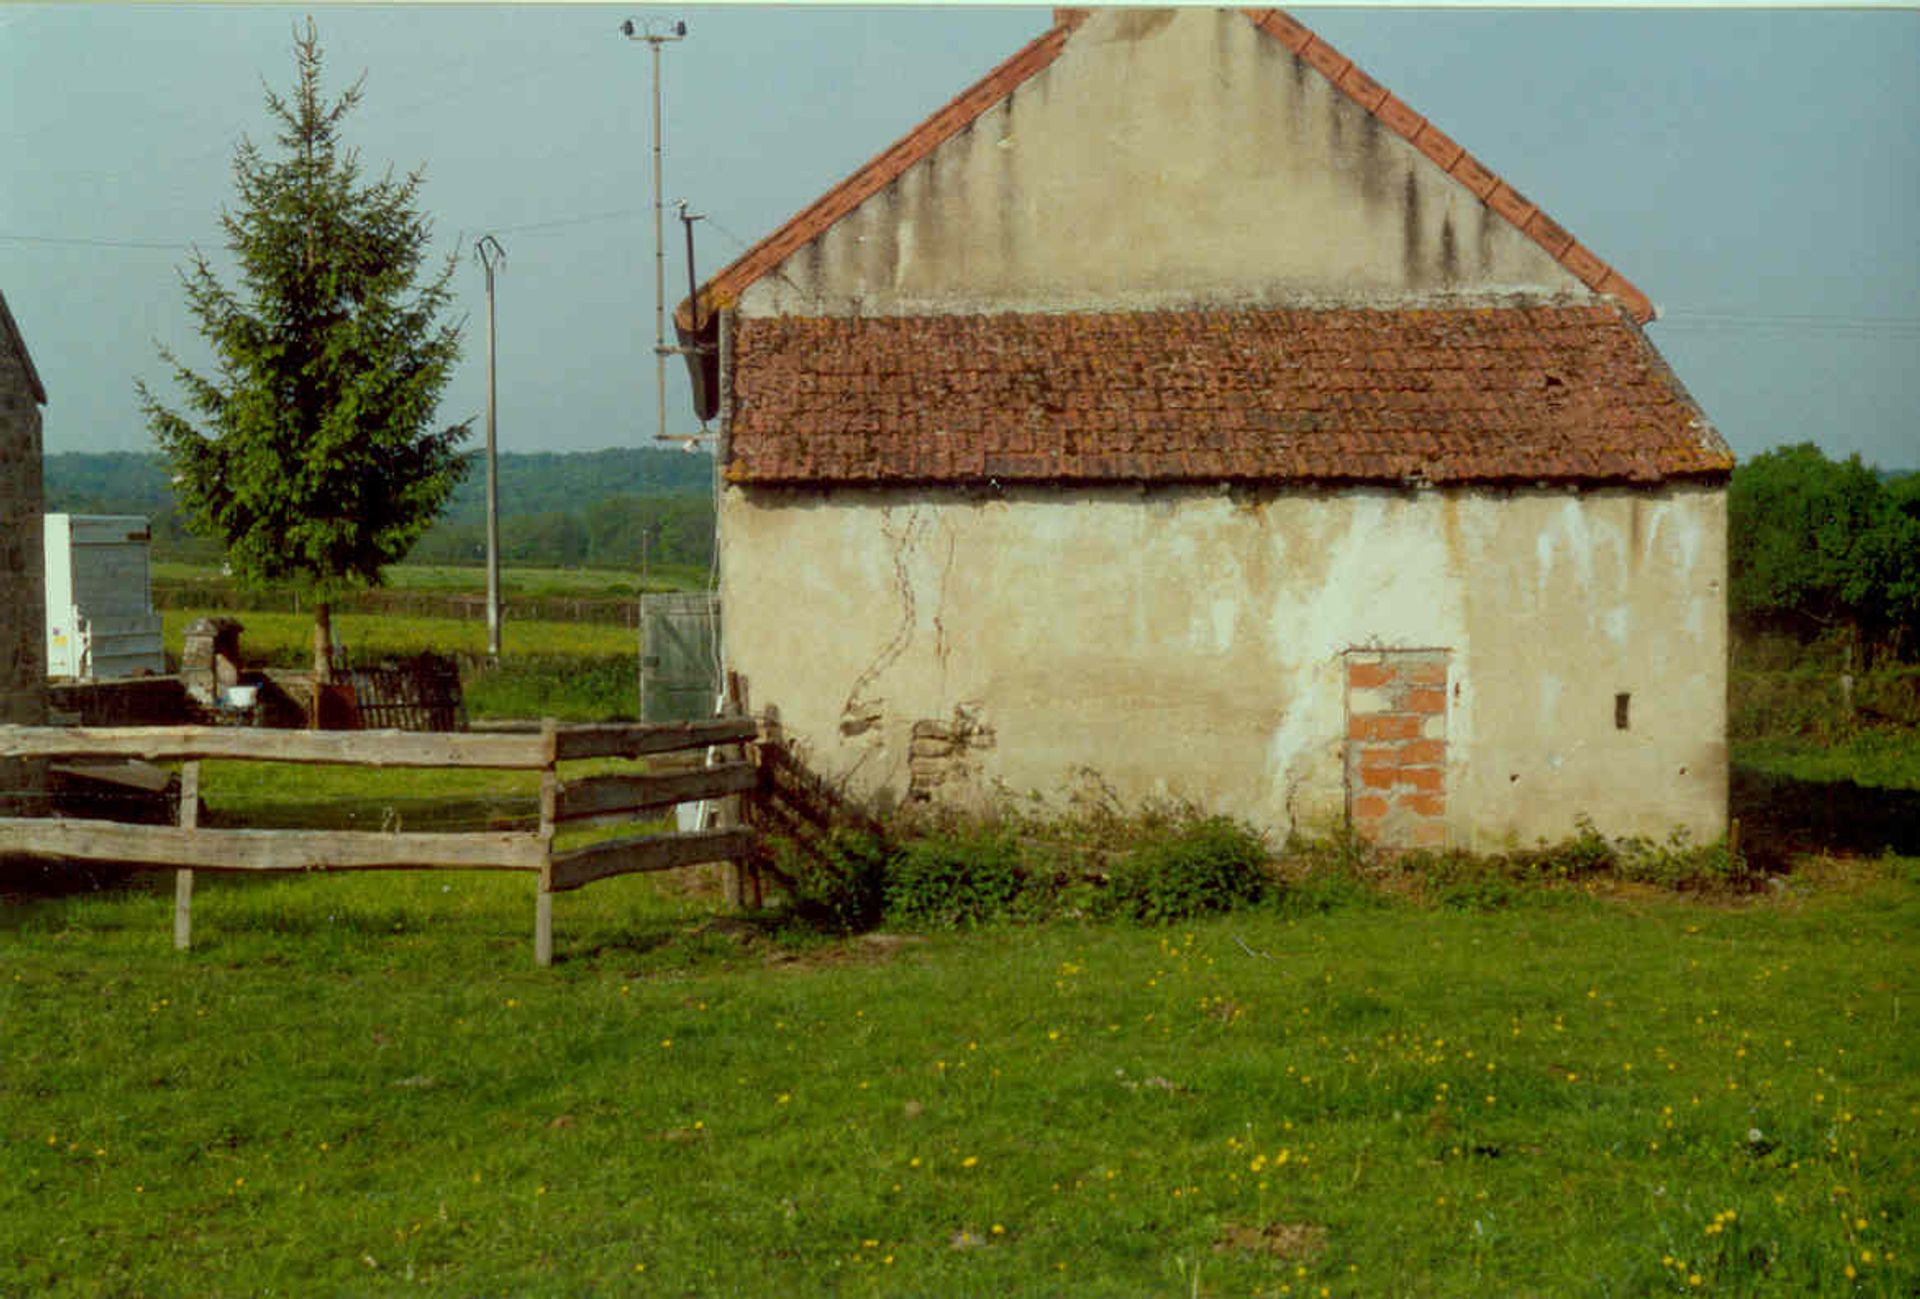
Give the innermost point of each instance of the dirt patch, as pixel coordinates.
(1294, 1241)
(866, 949)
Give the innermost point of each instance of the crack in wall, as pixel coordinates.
(860, 714)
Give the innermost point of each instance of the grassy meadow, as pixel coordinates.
(361, 1085)
(358, 1085)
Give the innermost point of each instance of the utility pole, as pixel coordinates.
(491, 254)
(656, 39)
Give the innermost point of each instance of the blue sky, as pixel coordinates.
(1756, 172)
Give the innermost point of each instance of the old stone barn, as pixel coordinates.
(1178, 409)
(23, 674)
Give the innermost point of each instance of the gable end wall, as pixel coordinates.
(1165, 158)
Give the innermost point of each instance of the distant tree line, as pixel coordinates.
(594, 509)
(1825, 548)
(1819, 548)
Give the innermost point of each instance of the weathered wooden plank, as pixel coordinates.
(601, 799)
(620, 740)
(159, 847)
(357, 748)
(183, 880)
(658, 852)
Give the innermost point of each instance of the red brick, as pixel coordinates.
(1426, 701)
(1383, 726)
(1422, 752)
(1427, 780)
(1427, 674)
(1374, 757)
(1361, 676)
(1369, 807)
(1423, 804)
(1381, 777)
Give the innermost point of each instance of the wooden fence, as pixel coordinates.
(610, 799)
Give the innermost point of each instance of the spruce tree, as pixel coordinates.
(315, 460)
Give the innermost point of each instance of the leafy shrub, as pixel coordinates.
(843, 886)
(1679, 863)
(1188, 869)
(956, 877)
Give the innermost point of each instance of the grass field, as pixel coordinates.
(357, 1085)
(360, 1085)
(471, 579)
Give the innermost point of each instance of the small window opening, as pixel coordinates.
(1621, 702)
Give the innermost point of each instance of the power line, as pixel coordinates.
(78, 241)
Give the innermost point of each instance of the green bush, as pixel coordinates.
(954, 878)
(1679, 863)
(1215, 864)
(841, 887)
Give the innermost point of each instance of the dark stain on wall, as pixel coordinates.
(1373, 158)
(1449, 253)
(1483, 237)
(1411, 264)
(1007, 210)
(1138, 24)
(885, 213)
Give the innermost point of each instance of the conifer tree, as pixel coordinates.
(312, 453)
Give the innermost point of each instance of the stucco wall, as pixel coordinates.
(1166, 157)
(1193, 642)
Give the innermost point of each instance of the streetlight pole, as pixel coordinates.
(656, 39)
(491, 254)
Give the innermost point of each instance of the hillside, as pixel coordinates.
(590, 508)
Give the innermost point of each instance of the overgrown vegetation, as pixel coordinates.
(1173, 864)
(1820, 548)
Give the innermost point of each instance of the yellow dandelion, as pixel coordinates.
(969, 1161)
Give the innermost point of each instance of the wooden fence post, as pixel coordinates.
(740, 884)
(189, 819)
(549, 798)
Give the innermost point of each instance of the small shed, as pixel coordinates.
(100, 619)
(1178, 410)
(23, 687)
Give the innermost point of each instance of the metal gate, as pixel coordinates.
(679, 656)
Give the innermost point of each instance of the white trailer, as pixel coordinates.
(100, 618)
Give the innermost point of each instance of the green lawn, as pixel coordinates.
(515, 581)
(359, 1085)
(286, 639)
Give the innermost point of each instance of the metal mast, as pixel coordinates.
(656, 39)
(491, 254)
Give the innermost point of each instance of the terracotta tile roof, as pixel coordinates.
(726, 286)
(1510, 393)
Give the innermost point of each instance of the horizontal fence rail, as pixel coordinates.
(731, 771)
